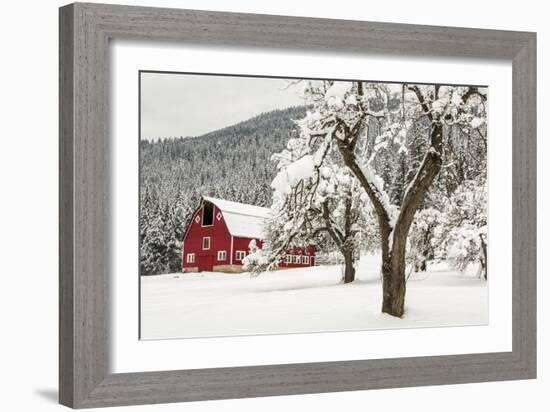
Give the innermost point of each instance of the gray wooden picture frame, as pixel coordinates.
(85, 32)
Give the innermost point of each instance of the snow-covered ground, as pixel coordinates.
(304, 300)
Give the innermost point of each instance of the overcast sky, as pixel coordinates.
(175, 105)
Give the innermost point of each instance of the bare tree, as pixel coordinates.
(309, 204)
(344, 115)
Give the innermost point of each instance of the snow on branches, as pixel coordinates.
(372, 151)
(461, 234)
(315, 197)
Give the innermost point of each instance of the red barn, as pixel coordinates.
(219, 233)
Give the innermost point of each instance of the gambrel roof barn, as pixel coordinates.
(219, 234)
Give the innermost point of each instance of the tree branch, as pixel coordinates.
(473, 91)
(425, 106)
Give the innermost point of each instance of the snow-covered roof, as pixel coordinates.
(242, 220)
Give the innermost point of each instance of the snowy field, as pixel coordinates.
(304, 300)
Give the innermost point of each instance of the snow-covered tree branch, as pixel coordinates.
(348, 113)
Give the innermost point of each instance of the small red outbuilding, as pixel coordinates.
(219, 233)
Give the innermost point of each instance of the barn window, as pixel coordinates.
(240, 254)
(222, 255)
(206, 243)
(207, 214)
(190, 258)
(288, 259)
(296, 259)
(305, 260)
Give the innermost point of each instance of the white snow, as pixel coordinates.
(439, 105)
(335, 95)
(395, 88)
(351, 99)
(378, 184)
(304, 300)
(242, 220)
(248, 226)
(289, 176)
(477, 122)
(456, 98)
(236, 207)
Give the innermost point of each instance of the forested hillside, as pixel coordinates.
(232, 163)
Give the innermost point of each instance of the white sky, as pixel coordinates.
(174, 105)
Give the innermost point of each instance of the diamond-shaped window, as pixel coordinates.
(197, 219)
(219, 216)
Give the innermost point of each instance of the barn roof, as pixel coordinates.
(242, 220)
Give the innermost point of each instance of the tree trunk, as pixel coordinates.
(393, 255)
(484, 257)
(342, 239)
(420, 265)
(394, 296)
(394, 278)
(427, 250)
(349, 269)
(423, 264)
(393, 289)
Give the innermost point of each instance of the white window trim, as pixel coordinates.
(240, 255)
(305, 260)
(288, 259)
(296, 259)
(222, 252)
(190, 258)
(209, 243)
(231, 252)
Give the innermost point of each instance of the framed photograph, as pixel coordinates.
(230, 203)
(256, 205)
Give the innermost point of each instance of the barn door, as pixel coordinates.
(209, 265)
(205, 263)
